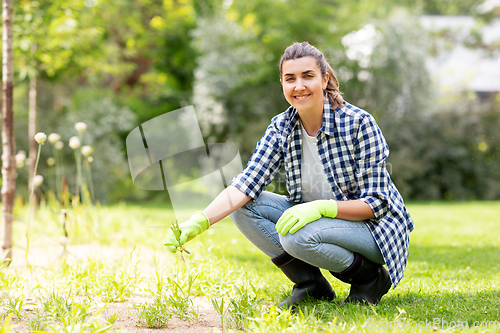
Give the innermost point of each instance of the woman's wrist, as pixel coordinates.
(354, 210)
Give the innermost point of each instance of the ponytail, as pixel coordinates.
(332, 91)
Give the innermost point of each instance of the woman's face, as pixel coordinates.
(303, 84)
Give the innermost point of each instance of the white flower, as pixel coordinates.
(20, 158)
(51, 161)
(80, 127)
(21, 155)
(38, 180)
(74, 142)
(54, 137)
(59, 145)
(40, 137)
(91, 159)
(86, 150)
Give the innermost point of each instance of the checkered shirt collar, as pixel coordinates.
(327, 126)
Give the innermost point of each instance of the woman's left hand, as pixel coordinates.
(298, 216)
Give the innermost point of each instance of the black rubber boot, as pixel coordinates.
(308, 280)
(369, 281)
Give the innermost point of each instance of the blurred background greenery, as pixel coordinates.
(116, 64)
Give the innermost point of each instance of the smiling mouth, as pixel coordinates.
(301, 97)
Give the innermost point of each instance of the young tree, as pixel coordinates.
(31, 134)
(52, 38)
(8, 145)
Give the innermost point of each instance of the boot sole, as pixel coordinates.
(287, 302)
(330, 296)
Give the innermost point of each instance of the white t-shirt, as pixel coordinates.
(315, 185)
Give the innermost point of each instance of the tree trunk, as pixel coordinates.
(32, 143)
(8, 144)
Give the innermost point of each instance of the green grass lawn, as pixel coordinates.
(452, 280)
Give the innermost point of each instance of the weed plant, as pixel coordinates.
(221, 310)
(15, 307)
(169, 298)
(247, 303)
(176, 230)
(154, 315)
(57, 313)
(37, 322)
(180, 298)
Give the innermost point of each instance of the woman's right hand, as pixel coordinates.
(193, 227)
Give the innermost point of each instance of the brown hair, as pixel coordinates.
(304, 49)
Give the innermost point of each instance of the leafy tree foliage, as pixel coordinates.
(108, 59)
(452, 154)
(55, 38)
(380, 62)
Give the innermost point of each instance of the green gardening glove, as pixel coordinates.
(298, 216)
(190, 229)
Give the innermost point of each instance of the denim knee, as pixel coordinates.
(308, 247)
(253, 221)
(297, 244)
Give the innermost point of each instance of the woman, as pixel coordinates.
(343, 214)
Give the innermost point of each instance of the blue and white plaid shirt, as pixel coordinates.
(353, 153)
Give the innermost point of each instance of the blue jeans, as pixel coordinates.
(326, 243)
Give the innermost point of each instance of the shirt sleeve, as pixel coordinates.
(371, 173)
(262, 167)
